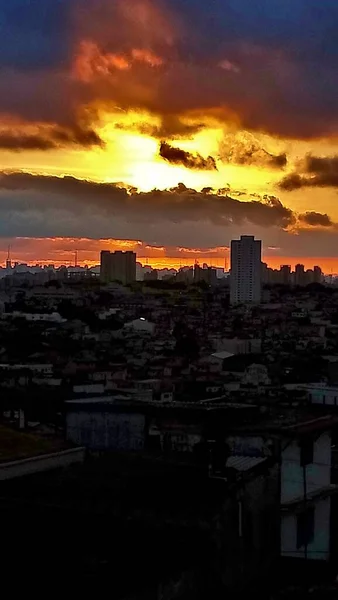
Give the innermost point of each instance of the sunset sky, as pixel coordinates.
(169, 126)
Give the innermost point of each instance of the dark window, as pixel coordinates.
(305, 527)
(306, 452)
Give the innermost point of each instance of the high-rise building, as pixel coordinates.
(300, 278)
(105, 266)
(318, 275)
(118, 266)
(246, 267)
(285, 271)
(208, 275)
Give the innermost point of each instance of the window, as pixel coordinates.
(305, 527)
(306, 452)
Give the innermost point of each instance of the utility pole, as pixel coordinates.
(8, 261)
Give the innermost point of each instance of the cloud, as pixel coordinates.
(313, 171)
(66, 206)
(15, 140)
(313, 218)
(24, 192)
(174, 60)
(243, 148)
(191, 161)
(226, 65)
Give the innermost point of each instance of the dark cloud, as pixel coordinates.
(19, 143)
(318, 165)
(243, 148)
(15, 141)
(278, 160)
(291, 182)
(314, 171)
(316, 219)
(174, 205)
(177, 156)
(171, 126)
(76, 136)
(276, 56)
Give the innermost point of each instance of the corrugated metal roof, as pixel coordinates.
(222, 355)
(244, 463)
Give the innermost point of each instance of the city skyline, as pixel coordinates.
(68, 251)
(152, 133)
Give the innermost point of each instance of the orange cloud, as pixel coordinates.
(90, 61)
(147, 56)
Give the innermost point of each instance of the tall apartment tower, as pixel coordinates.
(300, 278)
(118, 266)
(246, 269)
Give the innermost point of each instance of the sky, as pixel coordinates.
(169, 126)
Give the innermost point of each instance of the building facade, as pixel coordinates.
(245, 278)
(303, 452)
(118, 266)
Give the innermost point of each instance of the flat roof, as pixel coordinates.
(98, 400)
(289, 422)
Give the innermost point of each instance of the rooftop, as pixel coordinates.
(244, 463)
(289, 423)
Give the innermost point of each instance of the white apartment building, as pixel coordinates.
(245, 277)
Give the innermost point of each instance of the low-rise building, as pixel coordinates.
(302, 448)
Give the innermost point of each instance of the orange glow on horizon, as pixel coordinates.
(61, 251)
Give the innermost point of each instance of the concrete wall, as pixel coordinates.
(318, 474)
(99, 430)
(38, 464)
(251, 530)
(323, 395)
(319, 548)
(249, 445)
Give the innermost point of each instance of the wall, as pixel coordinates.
(239, 346)
(37, 464)
(319, 548)
(251, 531)
(99, 430)
(323, 395)
(172, 435)
(90, 388)
(249, 445)
(318, 474)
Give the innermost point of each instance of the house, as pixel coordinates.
(318, 393)
(105, 423)
(53, 317)
(302, 447)
(140, 326)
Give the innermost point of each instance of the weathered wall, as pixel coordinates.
(106, 430)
